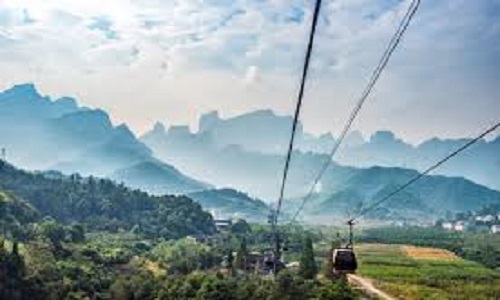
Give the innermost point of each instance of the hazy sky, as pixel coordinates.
(149, 60)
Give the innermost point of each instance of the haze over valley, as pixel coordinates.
(245, 153)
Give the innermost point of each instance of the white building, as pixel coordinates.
(495, 229)
(448, 225)
(223, 224)
(462, 226)
(487, 218)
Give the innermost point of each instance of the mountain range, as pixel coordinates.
(431, 197)
(40, 133)
(265, 132)
(480, 163)
(239, 160)
(212, 155)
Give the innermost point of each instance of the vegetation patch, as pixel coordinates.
(4, 197)
(424, 253)
(407, 277)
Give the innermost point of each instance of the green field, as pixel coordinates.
(409, 278)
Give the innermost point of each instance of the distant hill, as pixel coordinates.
(432, 197)
(99, 204)
(341, 190)
(259, 131)
(229, 203)
(263, 131)
(157, 178)
(44, 134)
(233, 166)
(480, 163)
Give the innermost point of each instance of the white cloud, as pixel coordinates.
(252, 75)
(180, 58)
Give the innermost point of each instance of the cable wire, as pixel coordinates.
(427, 171)
(384, 60)
(297, 109)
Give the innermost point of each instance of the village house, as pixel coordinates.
(462, 226)
(487, 218)
(448, 225)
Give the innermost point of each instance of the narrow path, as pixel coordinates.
(367, 286)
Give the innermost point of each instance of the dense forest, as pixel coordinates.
(69, 237)
(120, 266)
(101, 204)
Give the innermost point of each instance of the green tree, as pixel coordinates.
(289, 286)
(77, 233)
(217, 288)
(327, 268)
(120, 290)
(54, 231)
(241, 227)
(242, 255)
(308, 268)
(337, 290)
(184, 256)
(17, 260)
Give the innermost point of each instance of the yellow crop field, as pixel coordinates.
(423, 253)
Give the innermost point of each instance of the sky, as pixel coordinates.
(171, 60)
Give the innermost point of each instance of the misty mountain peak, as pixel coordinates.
(496, 141)
(383, 137)
(179, 130)
(67, 101)
(354, 139)
(208, 121)
(264, 112)
(326, 136)
(159, 127)
(158, 132)
(66, 105)
(26, 90)
(92, 120)
(124, 130)
(24, 100)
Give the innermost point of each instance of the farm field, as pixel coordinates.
(425, 253)
(409, 272)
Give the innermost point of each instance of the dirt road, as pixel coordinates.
(367, 286)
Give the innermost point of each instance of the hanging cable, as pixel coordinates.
(298, 108)
(275, 214)
(420, 175)
(384, 60)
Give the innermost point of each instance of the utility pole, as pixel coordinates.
(4, 154)
(351, 243)
(275, 241)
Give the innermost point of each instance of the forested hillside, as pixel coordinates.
(431, 197)
(101, 204)
(69, 237)
(229, 202)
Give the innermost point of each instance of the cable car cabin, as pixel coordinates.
(344, 260)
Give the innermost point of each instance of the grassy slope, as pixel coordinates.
(408, 278)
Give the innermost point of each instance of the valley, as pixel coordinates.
(182, 215)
